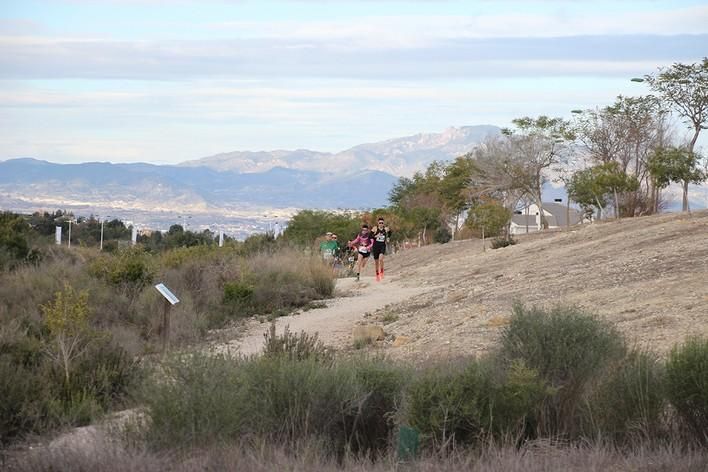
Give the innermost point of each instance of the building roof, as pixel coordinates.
(559, 212)
(557, 217)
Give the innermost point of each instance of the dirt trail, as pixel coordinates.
(354, 302)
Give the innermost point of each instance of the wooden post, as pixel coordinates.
(166, 325)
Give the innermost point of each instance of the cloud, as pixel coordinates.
(36, 58)
(414, 30)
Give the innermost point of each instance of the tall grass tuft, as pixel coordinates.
(687, 385)
(628, 402)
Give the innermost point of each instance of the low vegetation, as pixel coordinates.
(74, 322)
(557, 376)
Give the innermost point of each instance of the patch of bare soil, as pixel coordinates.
(647, 275)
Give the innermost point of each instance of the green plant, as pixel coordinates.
(449, 406)
(66, 320)
(502, 242)
(348, 405)
(629, 399)
(238, 293)
(294, 346)
(687, 384)
(568, 348)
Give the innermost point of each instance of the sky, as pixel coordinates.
(167, 81)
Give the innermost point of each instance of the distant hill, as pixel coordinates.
(399, 156)
(149, 187)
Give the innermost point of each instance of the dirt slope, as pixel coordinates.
(648, 275)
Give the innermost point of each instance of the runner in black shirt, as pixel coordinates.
(381, 233)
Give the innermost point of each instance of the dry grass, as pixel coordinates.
(261, 457)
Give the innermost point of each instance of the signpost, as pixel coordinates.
(57, 235)
(170, 299)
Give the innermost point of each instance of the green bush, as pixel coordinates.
(449, 406)
(347, 404)
(34, 390)
(131, 269)
(502, 242)
(568, 348)
(483, 400)
(294, 346)
(238, 293)
(629, 399)
(687, 384)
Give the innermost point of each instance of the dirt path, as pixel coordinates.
(353, 304)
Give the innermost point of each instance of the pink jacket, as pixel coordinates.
(363, 241)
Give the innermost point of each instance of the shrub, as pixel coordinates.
(502, 242)
(294, 346)
(130, 269)
(346, 404)
(483, 400)
(687, 384)
(629, 399)
(449, 406)
(568, 348)
(238, 293)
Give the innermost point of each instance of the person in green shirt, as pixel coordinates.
(329, 247)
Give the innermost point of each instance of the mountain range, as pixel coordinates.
(244, 186)
(235, 183)
(399, 156)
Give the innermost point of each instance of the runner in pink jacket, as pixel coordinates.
(362, 243)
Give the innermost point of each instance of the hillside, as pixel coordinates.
(646, 275)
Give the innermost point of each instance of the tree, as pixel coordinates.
(489, 217)
(627, 132)
(676, 165)
(684, 87)
(536, 145)
(594, 186)
(456, 180)
(66, 319)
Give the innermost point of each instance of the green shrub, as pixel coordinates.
(294, 346)
(568, 348)
(36, 396)
(629, 399)
(687, 384)
(131, 269)
(346, 404)
(449, 406)
(483, 400)
(238, 293)
(502, 242)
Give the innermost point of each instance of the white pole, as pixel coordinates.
(100, 248)
(69, 234)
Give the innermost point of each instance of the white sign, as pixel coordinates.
(134, 236)
(57, 235)
(221, 239)
(169, 296)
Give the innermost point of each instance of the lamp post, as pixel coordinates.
(103, 220)
(70, 221)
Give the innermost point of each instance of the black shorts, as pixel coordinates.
(378, 249)
(364, 254)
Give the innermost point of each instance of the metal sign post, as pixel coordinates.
(170, 299)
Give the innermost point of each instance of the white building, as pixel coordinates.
(528, 219)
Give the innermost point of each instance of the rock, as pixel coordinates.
(367, 333)
(401, 340)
